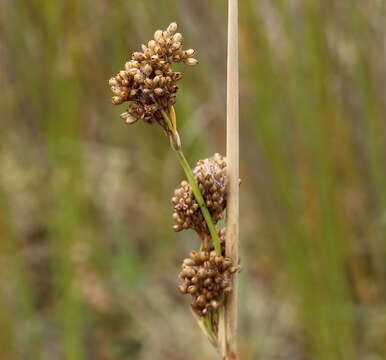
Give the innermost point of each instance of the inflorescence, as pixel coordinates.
(148, 81)
(149, 84)
(205, 275)
(210, 175)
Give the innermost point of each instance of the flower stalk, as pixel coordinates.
(171, 121)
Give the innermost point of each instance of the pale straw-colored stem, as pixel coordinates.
(228, 322)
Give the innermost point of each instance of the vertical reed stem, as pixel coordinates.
(228, 327)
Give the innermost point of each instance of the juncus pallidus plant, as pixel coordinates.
(148, 83)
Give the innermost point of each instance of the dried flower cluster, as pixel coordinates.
(148, 81)
(210, 175)
(206, 277)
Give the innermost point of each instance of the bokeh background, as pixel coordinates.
(88, 258)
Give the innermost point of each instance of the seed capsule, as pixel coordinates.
(147, 69)
(138, 78)
(183, 288)
(158, 35)
(227, 262)
(189, 53)
(201, 273)
(116, 100)
(158, 91)
(188, 262)
(208, 282)
(152, 44)
(113, 82)
(129, 119)
(172, 28)
(138, 56)
(215, 305)
(233, 269)
(191, 61)
(148, 83)
(201, 300)
(192, 289)
(176, 46)
(177, 38)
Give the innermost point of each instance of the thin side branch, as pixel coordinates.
(228, 326)
(190, 177)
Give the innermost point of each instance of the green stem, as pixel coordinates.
(196, 191)
(208, 324)
(207, 320)
(200, 200)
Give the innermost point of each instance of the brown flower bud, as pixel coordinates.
(147, 69)
(188, 262)
(201, 273)
(177, 38)
(113, 82)
(192, 289)
(190, 52)
(201, 300)
(191, 61)
(138, 78)
(158, 91)
(208, 281)
(116, 100)
(172, 28)
(128, 118)
(233, 269)
(227, 262)
(148, 83)
(175, 46)
(214, 304)
(152, 44)
(183, 288)
(138, 56)
(158, 35)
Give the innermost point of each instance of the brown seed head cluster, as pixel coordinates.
(148, 80)
(206, 277)
(211, 178)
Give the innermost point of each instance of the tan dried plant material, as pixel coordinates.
(148, 81)
(210, 175)
(207, 278)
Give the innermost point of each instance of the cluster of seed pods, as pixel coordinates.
(148, 80)
(206, 277)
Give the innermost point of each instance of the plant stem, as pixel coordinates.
(228, 322)
(172, 124)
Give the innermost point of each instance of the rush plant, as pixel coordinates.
(148, 83)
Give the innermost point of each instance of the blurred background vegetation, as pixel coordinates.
(88, 258)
